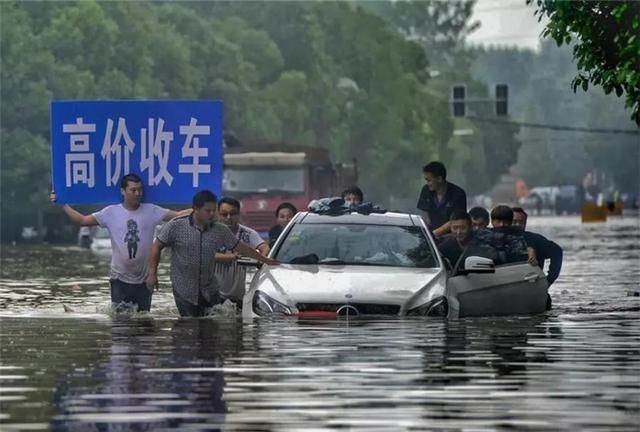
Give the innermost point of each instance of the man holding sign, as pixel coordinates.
(131, 226)
(175, 145)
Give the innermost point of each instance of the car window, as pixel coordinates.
(357, 244)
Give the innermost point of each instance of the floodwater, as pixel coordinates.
(574, 368)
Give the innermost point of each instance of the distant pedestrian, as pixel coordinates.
(284, 213)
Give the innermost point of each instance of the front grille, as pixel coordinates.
(363, 308)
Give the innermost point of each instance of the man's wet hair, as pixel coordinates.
(520, 210)
(286, 205)
(479, 213)
(353, 190)
(460, 215)
(203, 197)
(502, 213)
(436, 168)
(129, 178)
(231, 201)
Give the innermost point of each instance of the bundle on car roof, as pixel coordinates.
(335, 206)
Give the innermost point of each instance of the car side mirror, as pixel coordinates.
(249, 262)
(476, 264)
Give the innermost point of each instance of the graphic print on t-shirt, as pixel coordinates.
(132, 238)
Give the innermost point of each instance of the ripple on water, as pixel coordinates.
(574, 368)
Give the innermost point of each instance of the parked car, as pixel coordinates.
(568, 200)
(382, 264)
(101, 242)
(540, 198)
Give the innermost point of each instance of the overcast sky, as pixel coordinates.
(506, 22)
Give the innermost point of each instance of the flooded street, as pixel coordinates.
(575, 368)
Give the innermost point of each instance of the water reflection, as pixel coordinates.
(574, 368)
(157, 375)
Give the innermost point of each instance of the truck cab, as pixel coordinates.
(262, 177)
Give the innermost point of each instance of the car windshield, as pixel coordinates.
(357, 244)
(263, 180)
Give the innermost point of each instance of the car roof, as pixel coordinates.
(388, 218)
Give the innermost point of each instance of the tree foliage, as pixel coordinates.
(607, 47)
(321, 74)
(540, 93)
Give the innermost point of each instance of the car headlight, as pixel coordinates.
(264, 305)
(437, 307)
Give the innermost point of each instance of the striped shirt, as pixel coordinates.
(192, 256)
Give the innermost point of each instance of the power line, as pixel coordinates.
(556, 127)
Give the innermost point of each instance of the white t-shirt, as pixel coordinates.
(132, 233)
(232, 278)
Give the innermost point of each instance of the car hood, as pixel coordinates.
(335, 284)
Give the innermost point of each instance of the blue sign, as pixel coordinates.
(174, 146)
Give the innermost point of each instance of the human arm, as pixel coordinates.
(264, 248)
(226, 257)
(442, 230)
(78, 218)
(554, 252)
(154, 259)
(423, 205)
(531, 256)
(256, 242)
(246, 250)
(171, 214)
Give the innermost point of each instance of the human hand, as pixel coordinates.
(152, 282)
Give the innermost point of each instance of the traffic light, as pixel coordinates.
(458, 93)
(502, 99)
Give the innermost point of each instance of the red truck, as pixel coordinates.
(263, 176)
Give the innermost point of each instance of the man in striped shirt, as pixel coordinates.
(232, 277)
(194, 241)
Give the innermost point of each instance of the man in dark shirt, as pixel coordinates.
(479, 218)
(439, 198)
(544, 248)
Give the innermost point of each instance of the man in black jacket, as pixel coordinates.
(545, 248)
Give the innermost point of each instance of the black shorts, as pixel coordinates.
(129, 297)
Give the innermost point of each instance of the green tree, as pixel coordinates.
(607, 48)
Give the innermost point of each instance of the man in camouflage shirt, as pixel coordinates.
(508, 241)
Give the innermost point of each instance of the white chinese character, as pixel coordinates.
(79, 163)
(110, 148)
(80, 169)
(154, 143)
(191, 148)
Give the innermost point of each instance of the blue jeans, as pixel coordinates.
(129, 297)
